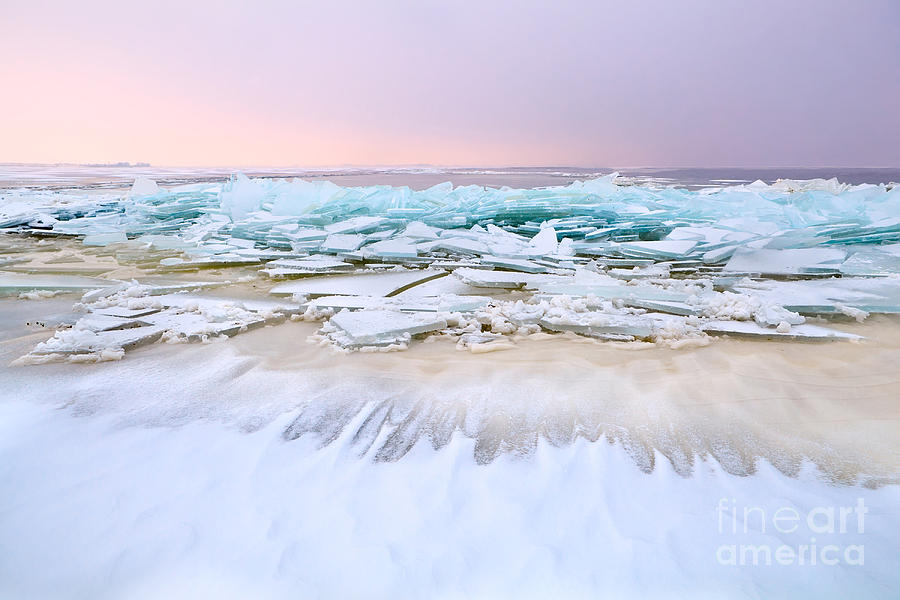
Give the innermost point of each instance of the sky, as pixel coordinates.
(486, 82)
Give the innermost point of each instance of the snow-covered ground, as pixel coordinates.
(200, 471)
(93, 509)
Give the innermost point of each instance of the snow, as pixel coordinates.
(104, 511)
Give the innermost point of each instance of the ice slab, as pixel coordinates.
(877, 262)
(792, 261)
(665, 306)
(662, 249)
(387, 283)
(438, 287)
(513, 264)
(828, 296)
(82, 341)
(380, 328)
(459, 245)
(794, 332)
(356, 225)
(212, 305)
(496, 279)
(104, 239)
(194, 326)
(343, 242)
(302, 267)
(125, 313)
(15, 283)
(101, 322)
(400, 248)
(601, 325)
(612, 292)
(444, 303)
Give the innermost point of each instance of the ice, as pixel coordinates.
(240, 196)
(104, 322)
(305, 267)
(444, 303)
(543, 243)
(661, 249)
(792, 332)
(495, 279)
(15, 283)
(104, 239)
(460, 245)
(125, 313)
(513, 264)
(144, 186)
(343, 242)
(786, 261)
(401, 248)
(84, 341)
(882, 261)
(828, 296)
(381, 328)
(195, 327)
(438, 287)
(212, 305)
(366, 284)
(356, 225)
(601, 325)
(601, 243)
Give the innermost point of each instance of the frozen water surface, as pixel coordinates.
(446, 359)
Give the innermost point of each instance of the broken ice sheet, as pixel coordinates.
(380, 327)
(443, 303)
(340, 242)
(15, 283)
(388, 283)
(793, 332)
(194, 326)
(667, 234)
(601, 325)
(793, 261)
(828, 296)
(85, 341)
(302, 267)
(498, 279)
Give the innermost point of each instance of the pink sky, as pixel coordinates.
(586, 83)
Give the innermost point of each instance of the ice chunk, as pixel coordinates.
(240, 196)
(460, 245)
(387, 283)
(101, 322)
(793, 261)
(495, 279)
(601, 325)
(794, 332)
(124, 312)
(83, 341)
(195, 326)
(104, 239)
(445, 303)
(400, 248)
(16, 283)
(513, 264)
(143, 186)
(223, 308)
(303, 267)
(343, 242)
(661, 249)
(356, 225)
(380, 328)
(545, 242)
